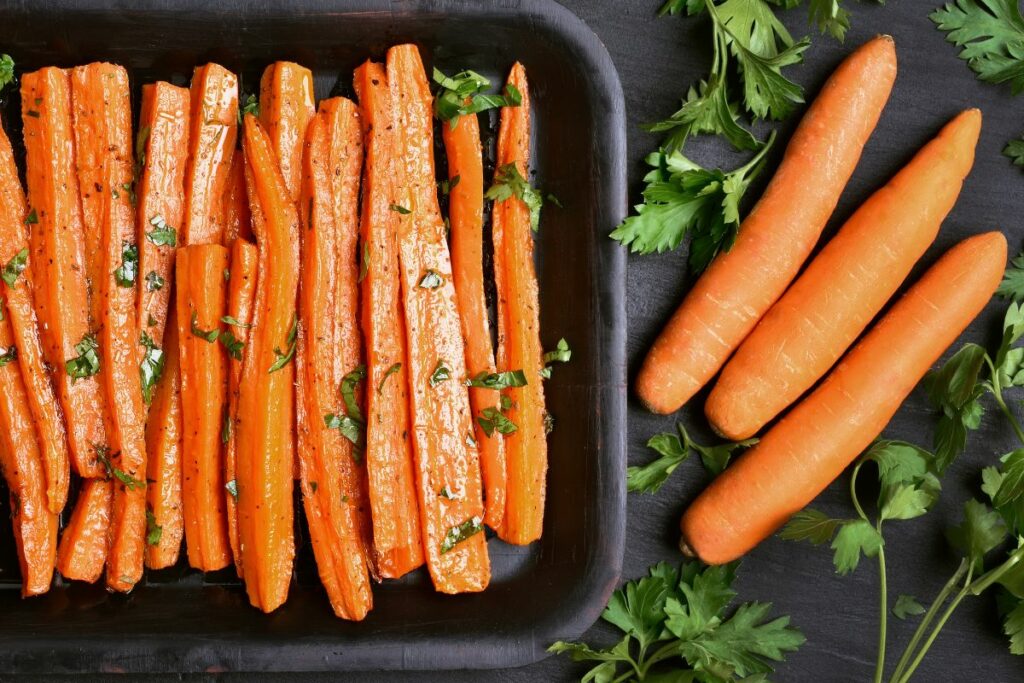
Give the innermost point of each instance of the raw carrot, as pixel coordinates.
(237, 222)
(265, 456)
(57, 252)
(83, 543)
(519, 347)
(330, 425)
(164, 516)
(466, 213)
(844, 287)
(214, 129)
(445, 453)
(23, 467)
(286, 108)
(201, 294)
(395, 511)
(18, 295)
(241, 295)
(775, 239)
(162, 154)
(812, 445)
(103, 122)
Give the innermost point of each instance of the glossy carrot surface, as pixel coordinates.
(237, 221)
(286, 108)
(82, 552)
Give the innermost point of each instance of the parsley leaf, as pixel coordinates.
(954, 389)
(1015, 151)
(390, 371)
(463, 94)
(981, 530)
(906, 606)
(207, 335)
(812, 526)
(459, 533)
(400, 209)
(498, 380)
(430, 280)
(15, 267)
(674, 449)
(349, 383)
(153, 530)
(991, 35)
(854, 539)
(153, 281)
(493, 420)
(250, 105)
(6, 70)
(87, 362)
(350, 428)
(284, 357)
(232, 488)
(162, 235)
(232, 344)
(1012, 286)
(8, 355)
(151, 368)
(104, 456)
(508, 183)
(128, 271)
(441, 373)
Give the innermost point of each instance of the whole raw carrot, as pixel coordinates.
(812, 445)
(444, 451)
(395, 511)
(83, 543)
(286, 108)
(845, 286)
(776, 237)
(237, 222)
(265, 455)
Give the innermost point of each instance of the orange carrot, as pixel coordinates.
(395, 511)
(466, 205)
(775, 239)
(833, 301)
(162, 149)
(812, 445)
(237, 222)
(519, 348)
(201, 294)
(265, 455)
(83, 543)
(214, 129)
(328, 357)
(445, 453)
(241, 293)
(286, 108)
(57, 252)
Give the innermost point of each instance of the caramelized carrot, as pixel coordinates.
(519, 348)
(162, 146)
(237, 222)
(57, 251)
(331, 465)
(446, 456)
(83, 543)
(286, 108)
(392, 483)
(265, 456)
(201, 295)
(214, 129)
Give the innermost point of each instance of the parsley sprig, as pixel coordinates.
(6, 70)
(464, 94)
(673, 450)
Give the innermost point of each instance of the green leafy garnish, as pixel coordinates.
(232, 344)
(498, 380)
(234, 322)
(15, 267)
(284, 357)
(349, 384)
(154, 281)
(104, 456)
(446, 186)
(451, 101)
(400, 209)
(458, 534)
(991, 35)
(430, 280)
(87, 362)
(1012, 286)
(154, 532)
(6, 70)
(162, 235)
(128, 271)
(493, 420)
(1015, 150)
(250, 105)
(349, 427)
(207, 335)
(32, 218)
(508, 183)
(390, 371)
(561, 354)
(232, 488)
(906, 606)
(151, 369)
(441, 373)
(8, 355)
(673, 450)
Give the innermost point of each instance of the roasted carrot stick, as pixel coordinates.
(164, 515)
(162, 146)
(22, 464)
(237, 222)
(214, 129)
(776, 237)
(201, 294)
(286, 108)
(446, 456)
(241, 296)
(330, 444)
(812, 445)
(57, 251)
(83, 543)
(265, 456)
(16, 261)
(833, 301)
(393, 500)
(103, 122)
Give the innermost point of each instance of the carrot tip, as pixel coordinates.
(685, 549)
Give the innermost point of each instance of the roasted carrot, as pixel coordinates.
(286, 108)
(164, 515)
(812, 445)
(103, 122)
(16, 261)
(844, 287)
(57, 252)
(83, 543)
(237, 222)
(445, 453)
(265, 455)
(775, 239)
(519, 347)
(162, 149)
(466, 204)
(241, 295)
(395, 511)
(214, 130)
(330, 425)
(201, 293)
(23, 467)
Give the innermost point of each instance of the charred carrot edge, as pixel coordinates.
(162, 145)
(392, 482)
(57, 252)
(466, 212)
(42, 402)
(103, 107)
(445, 453)
(83, 543)
(237, 222)
(331, 466)
(21, 460)
(526, 449)
(815, 442)
(286, 108)
(164, 516)
(777, 235)
(202, 302)
(214, 130)
(265, 457)
(241, 295)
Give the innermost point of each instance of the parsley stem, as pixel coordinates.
(883, 615)
(964, 592)
(998, 396)
(993, 575)
(853, 491)
(667, 650)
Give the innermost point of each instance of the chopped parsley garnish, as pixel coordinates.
(349, 383)
(284, 357)
(451, 101)
(498, 380)
(448, 185)
(250, 106)
(15, 267)
(390, 371)
(430, 280)
(493, 420)
(87, 362)
(103, 456)
(561, 354)
(32, 218)
(6, 70)
(162, 235)
(445, 493)
(154, 281)
(350, 428)
(400, 209)
(151, 368)
(231, 320)
(8, 355)
(508, 183)
(440, 374)
(458, 534)
(154, 532)
(233, 344)
(128, 271)
(232, 488)
(208, 335)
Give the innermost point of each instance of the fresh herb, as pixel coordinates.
(234, 322)
(400, 209)
(1012, 286)
(907, 606)
(151, 369)
(162, 235)
(430, 280)
(104, 456)
(498, 380)
(150, 320)
(250, 105)
(1015, 150)
(445, 493)
(678, 626)
(284, 357)
(6, 70)
(459, 533)
(130, 189)
(232, 488)
(32, 218)
(350, 428)
(154, 532)
(8, 355)
(447, 186)
(390, 371)
(15, 267)
(451, 101)
(991, 35)
(673, 450)
(349, 384)
(441, 373)
(493, 420)
(87, 362)
(232, 344)
(313, 486)
(508, 183)
(128, 271)
(207, 335)
(154, 281)
(561, 354)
